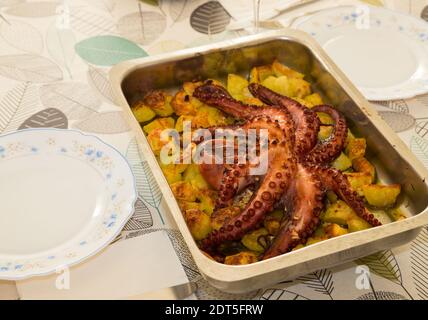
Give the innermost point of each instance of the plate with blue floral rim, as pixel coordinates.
(64, 196)
(383, 52)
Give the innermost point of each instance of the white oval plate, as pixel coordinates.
(386, 55)
(63, 197)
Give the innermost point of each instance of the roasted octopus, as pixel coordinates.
(299, 172)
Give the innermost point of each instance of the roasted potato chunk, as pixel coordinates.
(184, 104)
(160, 123)
(198, 222)
(281, 70)
(356, 148)
(333, 230)
(172, 171)
(193, 175)
(206, 199)
(260, 74)
(223, 215)
(236, 86)
(184, 191)
(381, 196)
(358, 179)
(361, 164)
(272, 222)
(342, 162)
(157, 143)
(159, 102)
(298, 87)
(241, 258)
(357, 224)
(142, 112)
(313, 100)
(256, 240)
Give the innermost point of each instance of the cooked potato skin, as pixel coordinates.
(361, 164)
(381, 196)
(254, 240)
(159, 102)
(356, 148)
(241, 258)
(142, 112)
(198, 223)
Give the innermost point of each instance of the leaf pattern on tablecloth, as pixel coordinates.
(419, 263)
(210, 18)
(33, 9)
(107, 5)
(383, 264)
(141, 219)
(91, 24)
(108, 50)
(75, 99)
(399, 122)
(419, 147)
(29, 67)
(395, 105)
(98, 78)
(280, 294)
(104, 123)
(321, 281)
(142, 27)
(178, 10)
(382, 295)
(30, 39)
(60, 45)
(17, 105)
(48, 118)
(422, 129)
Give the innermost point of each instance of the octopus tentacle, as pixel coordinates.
(282, 166)
(305, 119)
(218, 97)
(336, 181)
(305, 202)
(328, 150)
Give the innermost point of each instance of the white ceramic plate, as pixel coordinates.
(383, 52)
(63, 197)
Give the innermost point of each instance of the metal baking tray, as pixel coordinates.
(394, 161)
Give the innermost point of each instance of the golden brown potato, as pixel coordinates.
(358, 179)
(142, 112)
(187, 205)
(357, 224)
(342, 162)
(281, 70)
(156, 142)
(194, 176)
(223, 215)
(172, 171)
(356, 148)
(198, 222)
(298, 88)
(184, 104)
(241, 258)
(313, 100)
(256, 240)
(184, 191)
(159, 102)
(381, 196)
(272, 222)
(206, 198)
(236, 86)
(334, 230)
(260, 74)
(361, 164)
(159, 123)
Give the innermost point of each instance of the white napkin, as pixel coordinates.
(125, 269)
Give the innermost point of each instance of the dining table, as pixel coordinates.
(51, 78)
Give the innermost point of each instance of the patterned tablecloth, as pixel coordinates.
(52, 77)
